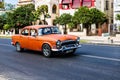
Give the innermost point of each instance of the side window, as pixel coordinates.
(40, 32)
(33, 32)
(46, 31)
(25, 32)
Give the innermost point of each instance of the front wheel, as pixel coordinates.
(46, 50)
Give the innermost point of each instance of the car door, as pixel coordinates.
(24, 38)
(34, 40)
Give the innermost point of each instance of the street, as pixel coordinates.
(91, 62)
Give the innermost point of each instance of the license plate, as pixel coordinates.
(69, 51)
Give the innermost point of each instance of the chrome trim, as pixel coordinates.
(65, 48)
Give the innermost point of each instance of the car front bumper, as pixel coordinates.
(67, 48)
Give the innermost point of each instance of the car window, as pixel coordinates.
(25, 32)
(33, 32)
(55, 30)
(40, 31)
(46, 31)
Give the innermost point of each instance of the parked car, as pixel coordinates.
(45, 38)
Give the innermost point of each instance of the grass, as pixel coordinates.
(83, 41)
(5, 36)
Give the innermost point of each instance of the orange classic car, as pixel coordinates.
(45, 38)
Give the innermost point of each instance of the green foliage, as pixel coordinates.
(1, 5)
(88, 16)
(82, 16)
(6, 26)
(57, 20)
(2, 20)
(64, 19)
(21, 16)
(71, 25)
(43, 9)
(118, 16)
(97, 16)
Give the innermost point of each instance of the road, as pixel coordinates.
(91, 62)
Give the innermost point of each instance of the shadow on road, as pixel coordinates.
(55, 55)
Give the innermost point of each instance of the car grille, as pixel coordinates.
(69, 43)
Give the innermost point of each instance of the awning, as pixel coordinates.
(76, 4)
(87, 0)
(65, 1)
(88, 4)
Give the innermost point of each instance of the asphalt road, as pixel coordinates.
(91, 62)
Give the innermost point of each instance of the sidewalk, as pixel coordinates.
(101, 40)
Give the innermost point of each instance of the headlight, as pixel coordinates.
(78, 40)
(58, 44)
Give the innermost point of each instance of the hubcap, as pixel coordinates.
(46, 50)
(18, 47)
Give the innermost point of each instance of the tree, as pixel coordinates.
(6, 26)
(22, 16)
(97, 17)
(2, 20)
(87, 16)
(118, 16)
(83, 16)
(43, 10)
(64, 19)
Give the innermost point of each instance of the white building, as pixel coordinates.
(116, 11)
(53, 9)
(70, 6)
(24, 2)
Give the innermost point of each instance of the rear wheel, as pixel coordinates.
(46, 50)
(18, 47)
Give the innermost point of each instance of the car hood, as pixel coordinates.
(60, 37)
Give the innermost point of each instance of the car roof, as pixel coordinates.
(38, 26)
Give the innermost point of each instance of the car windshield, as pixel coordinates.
(48, 30)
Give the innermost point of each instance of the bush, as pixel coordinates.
(6, 26)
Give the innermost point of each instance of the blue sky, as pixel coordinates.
(11, 1)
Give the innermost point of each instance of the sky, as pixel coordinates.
(11, 1)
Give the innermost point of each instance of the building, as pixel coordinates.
(24, 2)
(106, 6)
(70, 6)
(53, 9)
(116, 11)
(1, 5)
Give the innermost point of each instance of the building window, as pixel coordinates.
(65, 6)
(76, 4)
(107, 5)
(54, 9)
(112, 5)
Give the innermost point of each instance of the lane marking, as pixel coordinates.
(5, 45)
(104, 58)
(90, 56)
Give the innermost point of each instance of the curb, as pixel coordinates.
(105, 44)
